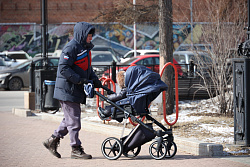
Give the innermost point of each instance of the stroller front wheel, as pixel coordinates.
(112, 148)
(158, 151)
(171, 149)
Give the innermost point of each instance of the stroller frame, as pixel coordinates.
(163, 146)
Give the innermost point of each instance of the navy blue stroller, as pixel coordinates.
(143, 86)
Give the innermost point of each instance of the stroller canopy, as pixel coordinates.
(143, 86)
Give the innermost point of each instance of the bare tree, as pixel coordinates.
(224, 31)
(147, 11)
(122, 11)
(166, 50)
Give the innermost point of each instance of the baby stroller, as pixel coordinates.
(143, 86)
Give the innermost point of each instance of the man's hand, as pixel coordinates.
(83, 81)
(97, 83)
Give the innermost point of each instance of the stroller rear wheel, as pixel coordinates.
(171, 149)
(112, 148)
(132, 153)
(158, 151)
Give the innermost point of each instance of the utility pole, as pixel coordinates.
(135, 54)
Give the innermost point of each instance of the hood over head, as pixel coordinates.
(81, 31)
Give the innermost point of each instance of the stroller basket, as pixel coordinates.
(137, 137)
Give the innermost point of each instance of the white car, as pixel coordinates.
(14, 58)
(131, 54)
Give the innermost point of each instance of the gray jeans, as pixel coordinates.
(71, 122)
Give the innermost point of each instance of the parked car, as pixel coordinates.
(17, 77)
(104, 56)
(150, 61)
(13, 58)
(131, 54)
(196, 47)
(99, 48)
(199, 59)
(188, 87)
(2, 64)
(105, 48)
(101, 60)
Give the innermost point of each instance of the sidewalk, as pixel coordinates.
(21, 145)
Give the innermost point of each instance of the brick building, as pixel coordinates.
(20, 23)
(16, 11)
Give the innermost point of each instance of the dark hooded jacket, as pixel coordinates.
(75, 63)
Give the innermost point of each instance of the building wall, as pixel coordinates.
(16, 11)
(20, 11)
(20, 25)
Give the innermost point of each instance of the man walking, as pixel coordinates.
(74, 70)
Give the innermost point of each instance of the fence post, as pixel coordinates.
(114, 71)
(31, 75)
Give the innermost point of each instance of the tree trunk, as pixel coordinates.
(166, 50)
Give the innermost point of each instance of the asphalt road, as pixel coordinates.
(22, 144)
(11, 99)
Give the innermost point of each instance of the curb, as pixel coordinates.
(22, 112)
(191, 146)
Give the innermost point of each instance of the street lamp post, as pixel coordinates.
(135, 54)
(44, 31)
(191, 20)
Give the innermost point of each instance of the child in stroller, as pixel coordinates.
(105, 113)
(143, 86)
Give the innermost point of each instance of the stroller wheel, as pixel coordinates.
(132, 153)
(112, 148)
(171, 149)
(158, 153)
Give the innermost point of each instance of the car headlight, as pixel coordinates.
(4, 75)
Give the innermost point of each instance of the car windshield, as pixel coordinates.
(96, 48)
(102, 58)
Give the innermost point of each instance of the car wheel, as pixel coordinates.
(15, 84)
